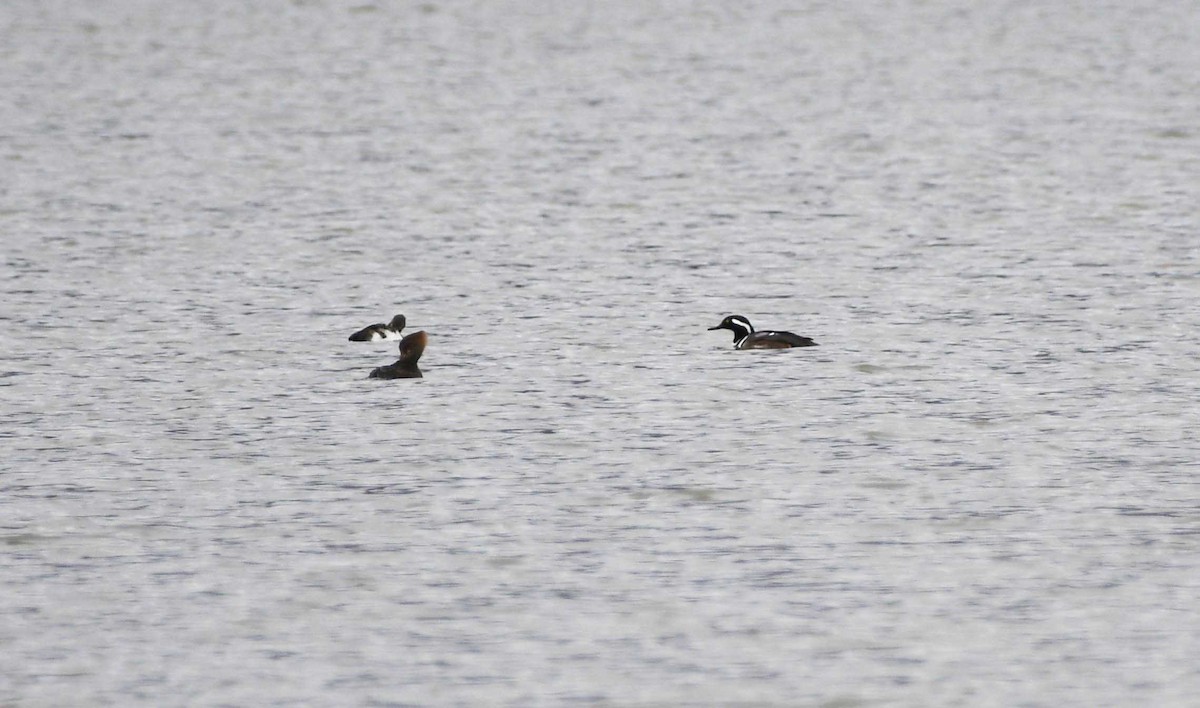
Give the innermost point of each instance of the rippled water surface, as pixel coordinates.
(980, 490)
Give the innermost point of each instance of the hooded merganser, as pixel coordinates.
(378, 332)
(411, 348)
(744, 336)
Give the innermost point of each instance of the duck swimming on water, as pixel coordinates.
(744, 336)
(379, 332)
(411, 348)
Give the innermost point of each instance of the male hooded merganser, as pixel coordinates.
(411, 348)
(744, 336)
(378, 332)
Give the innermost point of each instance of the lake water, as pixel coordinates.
(981, 489)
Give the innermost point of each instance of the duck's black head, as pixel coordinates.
(397, 323)
(740, 326)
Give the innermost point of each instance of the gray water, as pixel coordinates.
(979, 490)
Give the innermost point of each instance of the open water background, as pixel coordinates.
(980, 490)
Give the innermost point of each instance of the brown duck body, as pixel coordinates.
(411, 348)
(775, 340)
